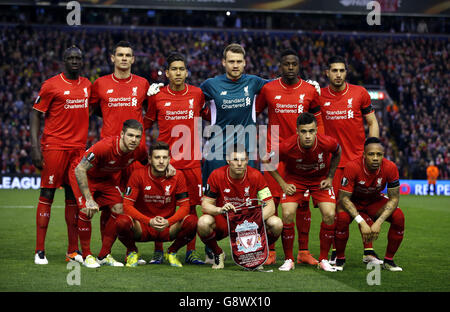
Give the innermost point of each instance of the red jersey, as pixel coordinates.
(107, 158)
(177, 112)
(343, 117)
(285, 103)
(224, 189)
(119, 100)
(366, 186)
(66, 108)
(307, 166)
(148, 196)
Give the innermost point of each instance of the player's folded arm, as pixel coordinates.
(347, 204)
(130, 210)
(183, 208)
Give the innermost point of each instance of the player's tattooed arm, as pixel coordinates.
(394, 196)
(81, 175)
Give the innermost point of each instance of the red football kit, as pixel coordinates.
(224, 189)
(343, 117)
(148, 196)
(308, 167)
(119, 100)
(178, 116)
(65, 104)
(284, 103)
(366, 188)
(107, 160)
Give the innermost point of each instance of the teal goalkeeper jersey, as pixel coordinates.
(232, 104)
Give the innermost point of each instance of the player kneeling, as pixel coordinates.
(363, 181)
(150, 212)
(228, 186)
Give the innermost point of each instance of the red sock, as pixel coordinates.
(124, 227)
(71, 213)
(395, 234)
(303, 222)
(287, 238)
(84, 232)
(104, 217)
(369, 222)
(211, 242)
(341, 233)
(109, 235)
(272, 245)
(191, 245)
(187, 232)
(42, 219)
(326, 237)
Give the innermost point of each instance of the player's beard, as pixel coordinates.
(159, 171)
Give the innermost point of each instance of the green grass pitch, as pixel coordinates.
(423, 256)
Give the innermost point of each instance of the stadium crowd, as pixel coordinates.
(413, 70)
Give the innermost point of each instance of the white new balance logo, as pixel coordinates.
(148, 188)
(167, 103)
(362, 182)
(66, 92)
(223, 93)
(278, 97)
(112, 162)
(327, 104)
(109, 91)
(226, 190)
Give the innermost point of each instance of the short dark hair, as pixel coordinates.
(336, 59)
(132, 124)
(122, 44)
(159, 145)
(174, 57)
(235, 48)
(70, 49)
(372, 140)
(306, 119)
(288, 52)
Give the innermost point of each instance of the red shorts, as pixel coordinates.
(304, 191)
(275, 188)
(105, 193)
(193, 178)
(372, 208)
(56, 167)
(150, 234)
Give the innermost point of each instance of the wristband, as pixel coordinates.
(359, 219)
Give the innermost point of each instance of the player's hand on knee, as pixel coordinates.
(366, 232)
(315, 84)
(326, 184)
(375, 228)
(154, 88)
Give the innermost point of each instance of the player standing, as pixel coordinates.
(344, 108)
(177, 109)
(362, 183)
(95, 184)
(118, 97)
(63, 101)
(312, 160)
(150, 208)
(227, 187)
(286, 98)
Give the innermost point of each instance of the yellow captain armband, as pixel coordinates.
(264, 193)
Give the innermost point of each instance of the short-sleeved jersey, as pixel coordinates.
(366, 186)
(66, 106)
(107, 158)
(119, 100)
(224, 189)
(155, 196)
(343, 117)
(307, 165)
(232, 103)
(179, 123)
(284, 103)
